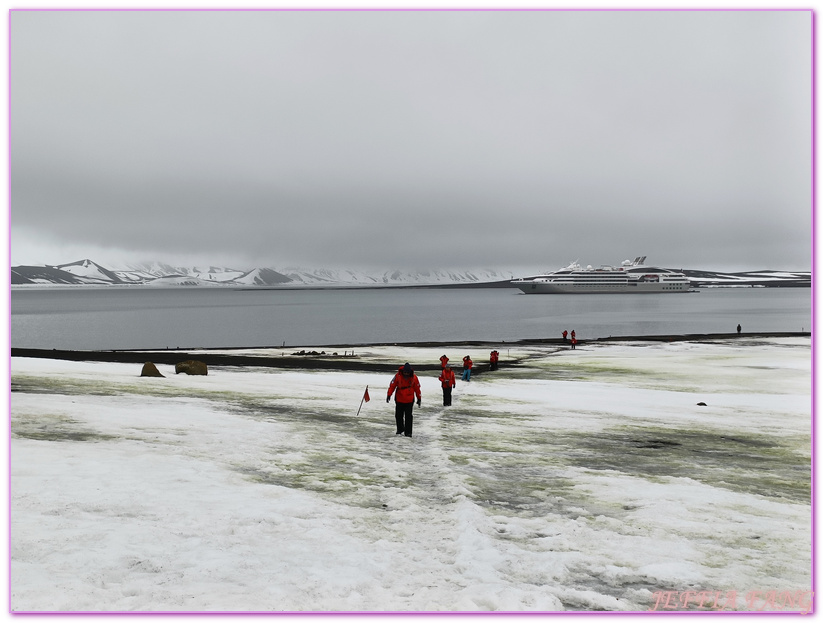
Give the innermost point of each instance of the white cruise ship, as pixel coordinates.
(632, 277)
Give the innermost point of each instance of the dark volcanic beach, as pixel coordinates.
(330, 357)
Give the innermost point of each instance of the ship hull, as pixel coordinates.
(630, 278)
(544, 287)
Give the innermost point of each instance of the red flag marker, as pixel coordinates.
(365, 397)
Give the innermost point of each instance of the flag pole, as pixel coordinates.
(361, 400)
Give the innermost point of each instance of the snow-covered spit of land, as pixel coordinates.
(586, 479)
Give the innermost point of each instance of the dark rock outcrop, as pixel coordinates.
(191, 367)
(149, 369)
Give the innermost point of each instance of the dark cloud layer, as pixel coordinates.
(432, 138)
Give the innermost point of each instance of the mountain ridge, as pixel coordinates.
(88, 272)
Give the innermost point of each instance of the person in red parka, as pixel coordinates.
(447, 382)
(444, 361)
(467, 368)
(494, 357)
(408, 386)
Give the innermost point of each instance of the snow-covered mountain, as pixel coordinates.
(87, 272)
(765, 278)
(394, 277)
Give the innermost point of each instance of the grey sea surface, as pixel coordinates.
(112, 318)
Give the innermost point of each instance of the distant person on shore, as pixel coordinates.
(574, 335)
(739, 329)
(444, 361)
(467, 368)
(447, 382)
(565, 335)
(407, 385)
(574, 343)
(493, 358)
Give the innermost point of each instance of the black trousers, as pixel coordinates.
(447, 396)
(403, 416)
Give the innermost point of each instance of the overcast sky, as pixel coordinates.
(412, 139)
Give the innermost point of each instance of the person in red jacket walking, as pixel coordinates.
(443, 362)
(408, 386)
(447, 382)
(494, 357)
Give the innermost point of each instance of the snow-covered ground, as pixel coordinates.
(576, 480)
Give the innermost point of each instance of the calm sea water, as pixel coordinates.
(151, 318)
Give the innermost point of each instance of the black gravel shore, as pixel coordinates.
(330, 361)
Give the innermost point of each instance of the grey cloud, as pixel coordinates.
(456, 137)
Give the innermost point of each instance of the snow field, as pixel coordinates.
(582, 480)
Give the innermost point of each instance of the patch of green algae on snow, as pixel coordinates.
(743, 462)
(54, 427)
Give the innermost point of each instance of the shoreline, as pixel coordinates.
(351, 363)
(697, 285)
